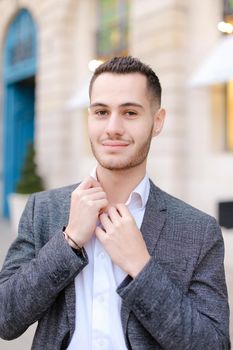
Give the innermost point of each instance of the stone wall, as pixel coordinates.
(158, 37)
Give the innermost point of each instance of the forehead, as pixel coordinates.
(119, 88)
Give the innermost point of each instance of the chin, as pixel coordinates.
(113, 165)
(112, 162)
(118, 166)
(120, 162)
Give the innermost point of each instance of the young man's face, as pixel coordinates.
(122, 120)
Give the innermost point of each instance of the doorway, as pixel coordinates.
(19, 98)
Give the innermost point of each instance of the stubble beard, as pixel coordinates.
(134, 161)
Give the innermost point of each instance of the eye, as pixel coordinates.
(101, 113)
(130, 113)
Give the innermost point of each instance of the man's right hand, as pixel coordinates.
(88, 200)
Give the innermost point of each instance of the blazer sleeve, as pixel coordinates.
(30, 282)
(196, 319)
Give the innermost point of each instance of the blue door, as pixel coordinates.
(19, 99)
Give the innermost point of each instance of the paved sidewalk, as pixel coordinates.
(24, 342)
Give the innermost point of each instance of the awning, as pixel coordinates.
(218, 65)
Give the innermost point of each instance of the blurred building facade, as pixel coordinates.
(48, 44)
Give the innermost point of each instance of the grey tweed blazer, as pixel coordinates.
(177, 302)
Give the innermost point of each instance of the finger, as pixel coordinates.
(123, 210)
(105, 221)
(101, 204)
(100, 234)
(89, 182)
(94, 196)
(94, 182)
(113, 214)
(91, 191)
(85, 193)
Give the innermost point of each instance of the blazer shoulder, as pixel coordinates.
(55, 194)
(48, 210)
(50, 201)
(179, 208)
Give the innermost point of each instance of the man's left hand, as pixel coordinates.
(122, 240)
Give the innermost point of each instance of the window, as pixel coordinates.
(20, 46)
(112, 33)
(229, 116)
(228, 17)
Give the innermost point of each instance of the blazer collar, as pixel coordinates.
(154, 217)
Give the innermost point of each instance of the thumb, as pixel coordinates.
(89, 182)
(100, 234)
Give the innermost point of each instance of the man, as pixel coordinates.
(133, 268)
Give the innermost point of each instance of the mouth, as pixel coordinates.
(115, 144)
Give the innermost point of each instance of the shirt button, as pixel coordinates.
(102, 298)
(101, 343)
(102, 255)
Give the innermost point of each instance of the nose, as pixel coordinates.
(114, 126)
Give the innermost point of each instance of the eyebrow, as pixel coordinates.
(98, 104)
(126, 104)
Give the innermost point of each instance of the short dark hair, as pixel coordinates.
(126, 65)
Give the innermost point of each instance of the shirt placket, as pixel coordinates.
(101, 307)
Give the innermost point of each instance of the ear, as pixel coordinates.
(159, 118)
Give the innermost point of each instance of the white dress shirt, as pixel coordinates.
(98, 321)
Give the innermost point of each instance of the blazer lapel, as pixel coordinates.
(151, 228)
(154, 217)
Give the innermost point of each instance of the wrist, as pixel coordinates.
(139, 266)
(73, 243)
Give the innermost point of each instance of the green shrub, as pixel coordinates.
(29, 181)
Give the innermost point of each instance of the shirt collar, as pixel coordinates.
(139, 196)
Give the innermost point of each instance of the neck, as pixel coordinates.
(118, 184)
